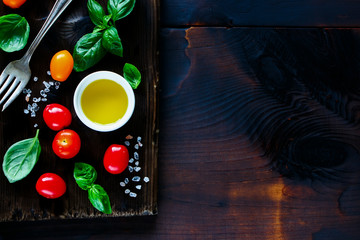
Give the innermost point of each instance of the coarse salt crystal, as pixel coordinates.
(26, 111)
(139, 139)
(131, 169)
(35, 79)
(138, 187)
(36, 125)
(44, 99)
(136, 156)
(136, 179)
(126, 180)
(146, 179)
(127, 143)
(137, 169)
(122, 184)
(137, 163)
(46, 90)
(136, 146)
(33, 114)
(127, 191)
(131, 160)
(48, 73)
(132, 194)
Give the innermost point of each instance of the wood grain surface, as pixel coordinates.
(20, 201)
(259, 128)
(239, 157)
(229, 13)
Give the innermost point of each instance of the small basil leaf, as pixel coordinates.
(21, 158)
(106, 20)
(99, 199)
(14, 32)
(96, 12)
(120, 8)
(88, 51)
(85, 175)
(111, 41)
(132, 75)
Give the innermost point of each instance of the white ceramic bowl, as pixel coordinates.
(110, 76)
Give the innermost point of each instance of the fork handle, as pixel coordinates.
(55, 12)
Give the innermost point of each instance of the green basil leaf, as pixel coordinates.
(111, 41)
(21, 158)
(120, 8)
(99, 198)
(132, 75)
(96, 12)
(14, 32)
(85, 175)
(88, 51)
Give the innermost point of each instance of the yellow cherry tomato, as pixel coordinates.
(61, 65)
(14, 3)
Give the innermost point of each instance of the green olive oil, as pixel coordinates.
(104, 101)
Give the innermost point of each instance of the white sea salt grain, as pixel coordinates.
(137, 169)
(146, 179)
(137, 163)
(131, 169)
(33, 114)
(136, 156)
(138, 187)
(48, 73)
(126, 180)
(136, 146)
(127, 191)
(136, 179)
(44, 99)
(131, 160)
(139, 139)
(36, 125)
(122, 184)
(26, 111)
(127, 143)
(132, 194)
(46, 90)
(35, 79)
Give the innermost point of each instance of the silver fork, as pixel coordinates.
(17, 73)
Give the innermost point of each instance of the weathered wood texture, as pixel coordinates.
(259, 140)
(19, 201)
(260, 13)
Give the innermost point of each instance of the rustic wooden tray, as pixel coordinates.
(19, 201)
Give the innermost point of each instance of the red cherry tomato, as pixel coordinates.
(66, 144)
(116, 159)
(14, 3)
(50, 185)
(56, 116)
(61, 65)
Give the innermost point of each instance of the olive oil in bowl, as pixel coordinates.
(104, 101)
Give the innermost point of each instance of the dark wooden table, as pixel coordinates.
(259, 126)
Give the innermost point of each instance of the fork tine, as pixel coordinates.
(10, 90)
(3, 77)
(13, 96)
(6, 84)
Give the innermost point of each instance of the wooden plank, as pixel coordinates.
(20, 201)
(260, 13)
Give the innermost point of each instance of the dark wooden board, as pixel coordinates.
(19, 201)
(217, 178)
(260, 13)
